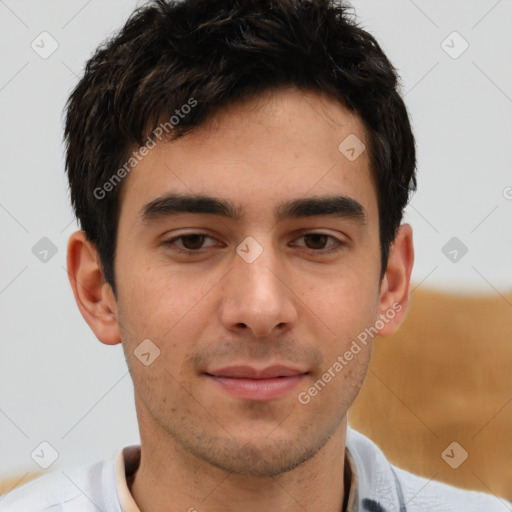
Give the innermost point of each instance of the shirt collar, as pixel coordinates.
(126, 464)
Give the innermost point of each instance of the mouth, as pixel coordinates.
(261, 385)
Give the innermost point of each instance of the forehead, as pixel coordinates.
(282, 144)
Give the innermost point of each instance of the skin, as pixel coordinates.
(202, 447)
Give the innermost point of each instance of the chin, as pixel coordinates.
(267, 458)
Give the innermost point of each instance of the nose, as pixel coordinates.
(258, 295)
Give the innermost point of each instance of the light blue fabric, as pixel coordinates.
(381, 487)
(81, 489)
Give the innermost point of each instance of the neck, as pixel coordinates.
(171, 479)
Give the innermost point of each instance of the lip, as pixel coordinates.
(248, 372)
(261, 385)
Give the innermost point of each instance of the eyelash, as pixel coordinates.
(336, 248)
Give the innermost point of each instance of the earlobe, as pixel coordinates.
(93, 295)
(394, 295)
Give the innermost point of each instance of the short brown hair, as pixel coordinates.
(218, 52)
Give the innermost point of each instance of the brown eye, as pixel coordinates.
(192, 242)
(318, 243)
(316, 240)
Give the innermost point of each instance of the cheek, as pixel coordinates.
(167, 307)
(157, 297)
(344, 304)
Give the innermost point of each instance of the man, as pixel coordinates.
(239, 171)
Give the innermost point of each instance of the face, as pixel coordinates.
(249, 305)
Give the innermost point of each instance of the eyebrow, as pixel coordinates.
(174, 204)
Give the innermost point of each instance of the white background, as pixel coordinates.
(57, 382)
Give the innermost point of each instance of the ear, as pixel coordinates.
(394, 294)
(93, 295)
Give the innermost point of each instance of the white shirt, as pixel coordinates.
(376, 486)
